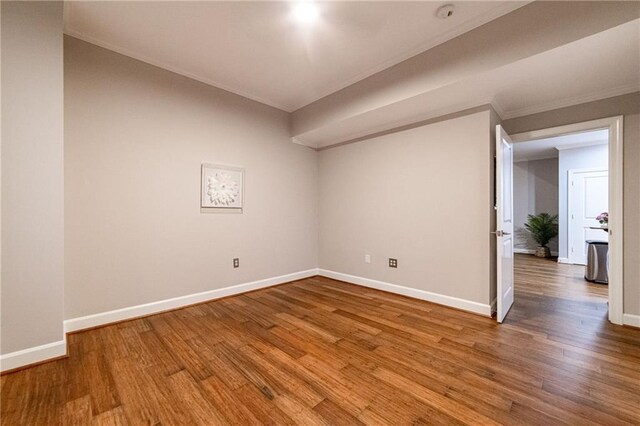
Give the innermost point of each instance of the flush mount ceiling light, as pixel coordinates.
(305, 12)
(445, 11)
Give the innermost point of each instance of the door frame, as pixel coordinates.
(570, 190)
(616, 233)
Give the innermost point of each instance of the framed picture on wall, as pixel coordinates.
(222, 187)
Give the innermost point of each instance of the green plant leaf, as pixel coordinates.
(543, 227)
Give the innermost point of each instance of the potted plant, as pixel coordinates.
(543, 227)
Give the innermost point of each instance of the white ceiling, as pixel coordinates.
(256, 50)
(548, 148)
(599, 66)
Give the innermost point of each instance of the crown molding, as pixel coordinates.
(581, 145)
(497, 107)
(176, 70)
(460, 29)
(536, 158)
(567, 102)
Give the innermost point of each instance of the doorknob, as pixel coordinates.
(500, 233)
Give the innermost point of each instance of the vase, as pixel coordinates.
(543, 252)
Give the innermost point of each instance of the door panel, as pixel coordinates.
(588, 197)
(504, 222)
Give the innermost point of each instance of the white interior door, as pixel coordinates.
(588, 197)
(504, 221)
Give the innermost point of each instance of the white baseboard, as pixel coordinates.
(81, 323)
(33, 355)
(453, 302)
(530, 251)
(564, 260)
(56, 349)
(629, 319)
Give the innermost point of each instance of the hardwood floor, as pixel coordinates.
(319, 351)
(549, 278)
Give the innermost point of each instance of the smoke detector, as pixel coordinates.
(445, 11)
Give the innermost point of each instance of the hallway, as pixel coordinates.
(555, 300)
(547, 277)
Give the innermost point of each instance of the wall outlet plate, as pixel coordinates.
(393, 263)
(367, 258)
(236, 262)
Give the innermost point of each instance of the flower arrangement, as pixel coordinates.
(603, 218)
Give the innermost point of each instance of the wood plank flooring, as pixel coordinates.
(319, 351)
(550, 278)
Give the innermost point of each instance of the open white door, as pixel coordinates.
(504, 221)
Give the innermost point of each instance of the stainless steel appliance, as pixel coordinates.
(597, 269)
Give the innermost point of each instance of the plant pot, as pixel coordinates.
(543, 252)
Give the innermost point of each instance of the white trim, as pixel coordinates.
(33, 355)
(530, 251)
(567, 102)
(569, 129)
(56, 349)
(632, 320)
(616, 233)
(580, 145)
(131, 312)
(570, 220)
(564, 260)
(453, 302)
(536, 158)
(497, 107)
(174, 69)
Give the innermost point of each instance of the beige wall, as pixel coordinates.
(135, 137)
(420, 195)
(32, 175)
(629, 106)
(535, 191)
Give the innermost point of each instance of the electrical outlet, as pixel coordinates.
(367, 258)
(236, 262)
(393, 263)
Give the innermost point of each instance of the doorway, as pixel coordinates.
(585, 191)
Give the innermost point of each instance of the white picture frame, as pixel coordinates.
(221, 188)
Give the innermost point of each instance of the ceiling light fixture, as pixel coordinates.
(306, 12)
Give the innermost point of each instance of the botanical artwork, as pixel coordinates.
(221, 186)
